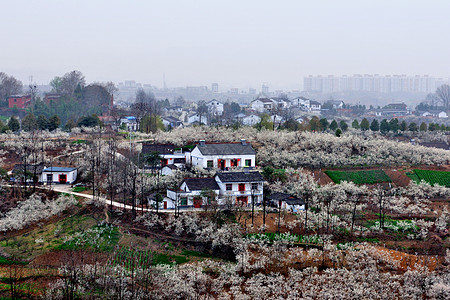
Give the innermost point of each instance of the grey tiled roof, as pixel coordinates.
(198, 184)
(159, 148)
(240, 176)
(226, 149)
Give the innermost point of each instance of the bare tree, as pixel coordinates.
(443, 94)
(9, 86)
(68, 83)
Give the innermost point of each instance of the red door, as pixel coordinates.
(62, 178)
(198, 202)
(165, 204)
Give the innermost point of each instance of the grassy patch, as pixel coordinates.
(79, 142)
(101, 238)
(359, 177)
(130, 258)
(432, 177)
(79, 189)
(46, 238)
(6, 261)
(394, 225)
(194, 253)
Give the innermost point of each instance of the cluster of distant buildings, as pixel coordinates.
(373, 83)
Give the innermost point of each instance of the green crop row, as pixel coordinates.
(359, 177)
(432, 177)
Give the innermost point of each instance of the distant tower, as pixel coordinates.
(215, 87)
(164, 81)
(265, 88)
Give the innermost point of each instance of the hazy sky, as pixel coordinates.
(235, 43)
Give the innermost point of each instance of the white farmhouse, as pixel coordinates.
(442, 115)
(130, 123)
(301, 102)
(240, 188)
(171, 122)
(190, 193)
(261, 105)
(314, 105)
(59, 175)
(223, 155)
(251, 120)
(197, 118)
(215, 107)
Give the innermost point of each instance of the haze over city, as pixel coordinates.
(235, 43)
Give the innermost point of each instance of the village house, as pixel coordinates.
(261, 105)
(129, 123)
(223, 155)
(196, 118)
(19, 101)
(301, 102)
(215, 107)
(228, 188)
(286, 202)
(280, 103)
(240, 188)
(52, 98)
(190, 193)
(251, 120)
(62, 175)
(168, 153)
(171, 122)
(314, 105)
(436, 114)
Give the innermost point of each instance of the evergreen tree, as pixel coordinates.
(42, 122)
(393, 124)
(14, 124)
(343, 125)
(423, 127)
(334, 125)
(403, 126)
(355, 124)
(324, 124)
(53, 123)
(314, 124)
(374, 126)
(364, 124)
(412, 126)
(338, 132)
(384, 126)
(29, 123)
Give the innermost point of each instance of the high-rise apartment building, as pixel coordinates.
(372, 83)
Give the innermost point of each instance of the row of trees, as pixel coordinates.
(322, 125)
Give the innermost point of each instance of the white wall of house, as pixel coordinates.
(251, 120)
(196, 118)
(184, 193)
(443, 115)
(234, 192)
(71, 176)
(198, 159)
(215, 107)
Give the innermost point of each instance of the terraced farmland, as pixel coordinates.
(430, 176)
(359, 177)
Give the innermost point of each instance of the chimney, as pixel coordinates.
(243, 142)
(202, 143)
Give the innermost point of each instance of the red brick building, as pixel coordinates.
(52, 98)
(19, 101)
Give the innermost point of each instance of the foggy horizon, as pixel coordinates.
(234, 44)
